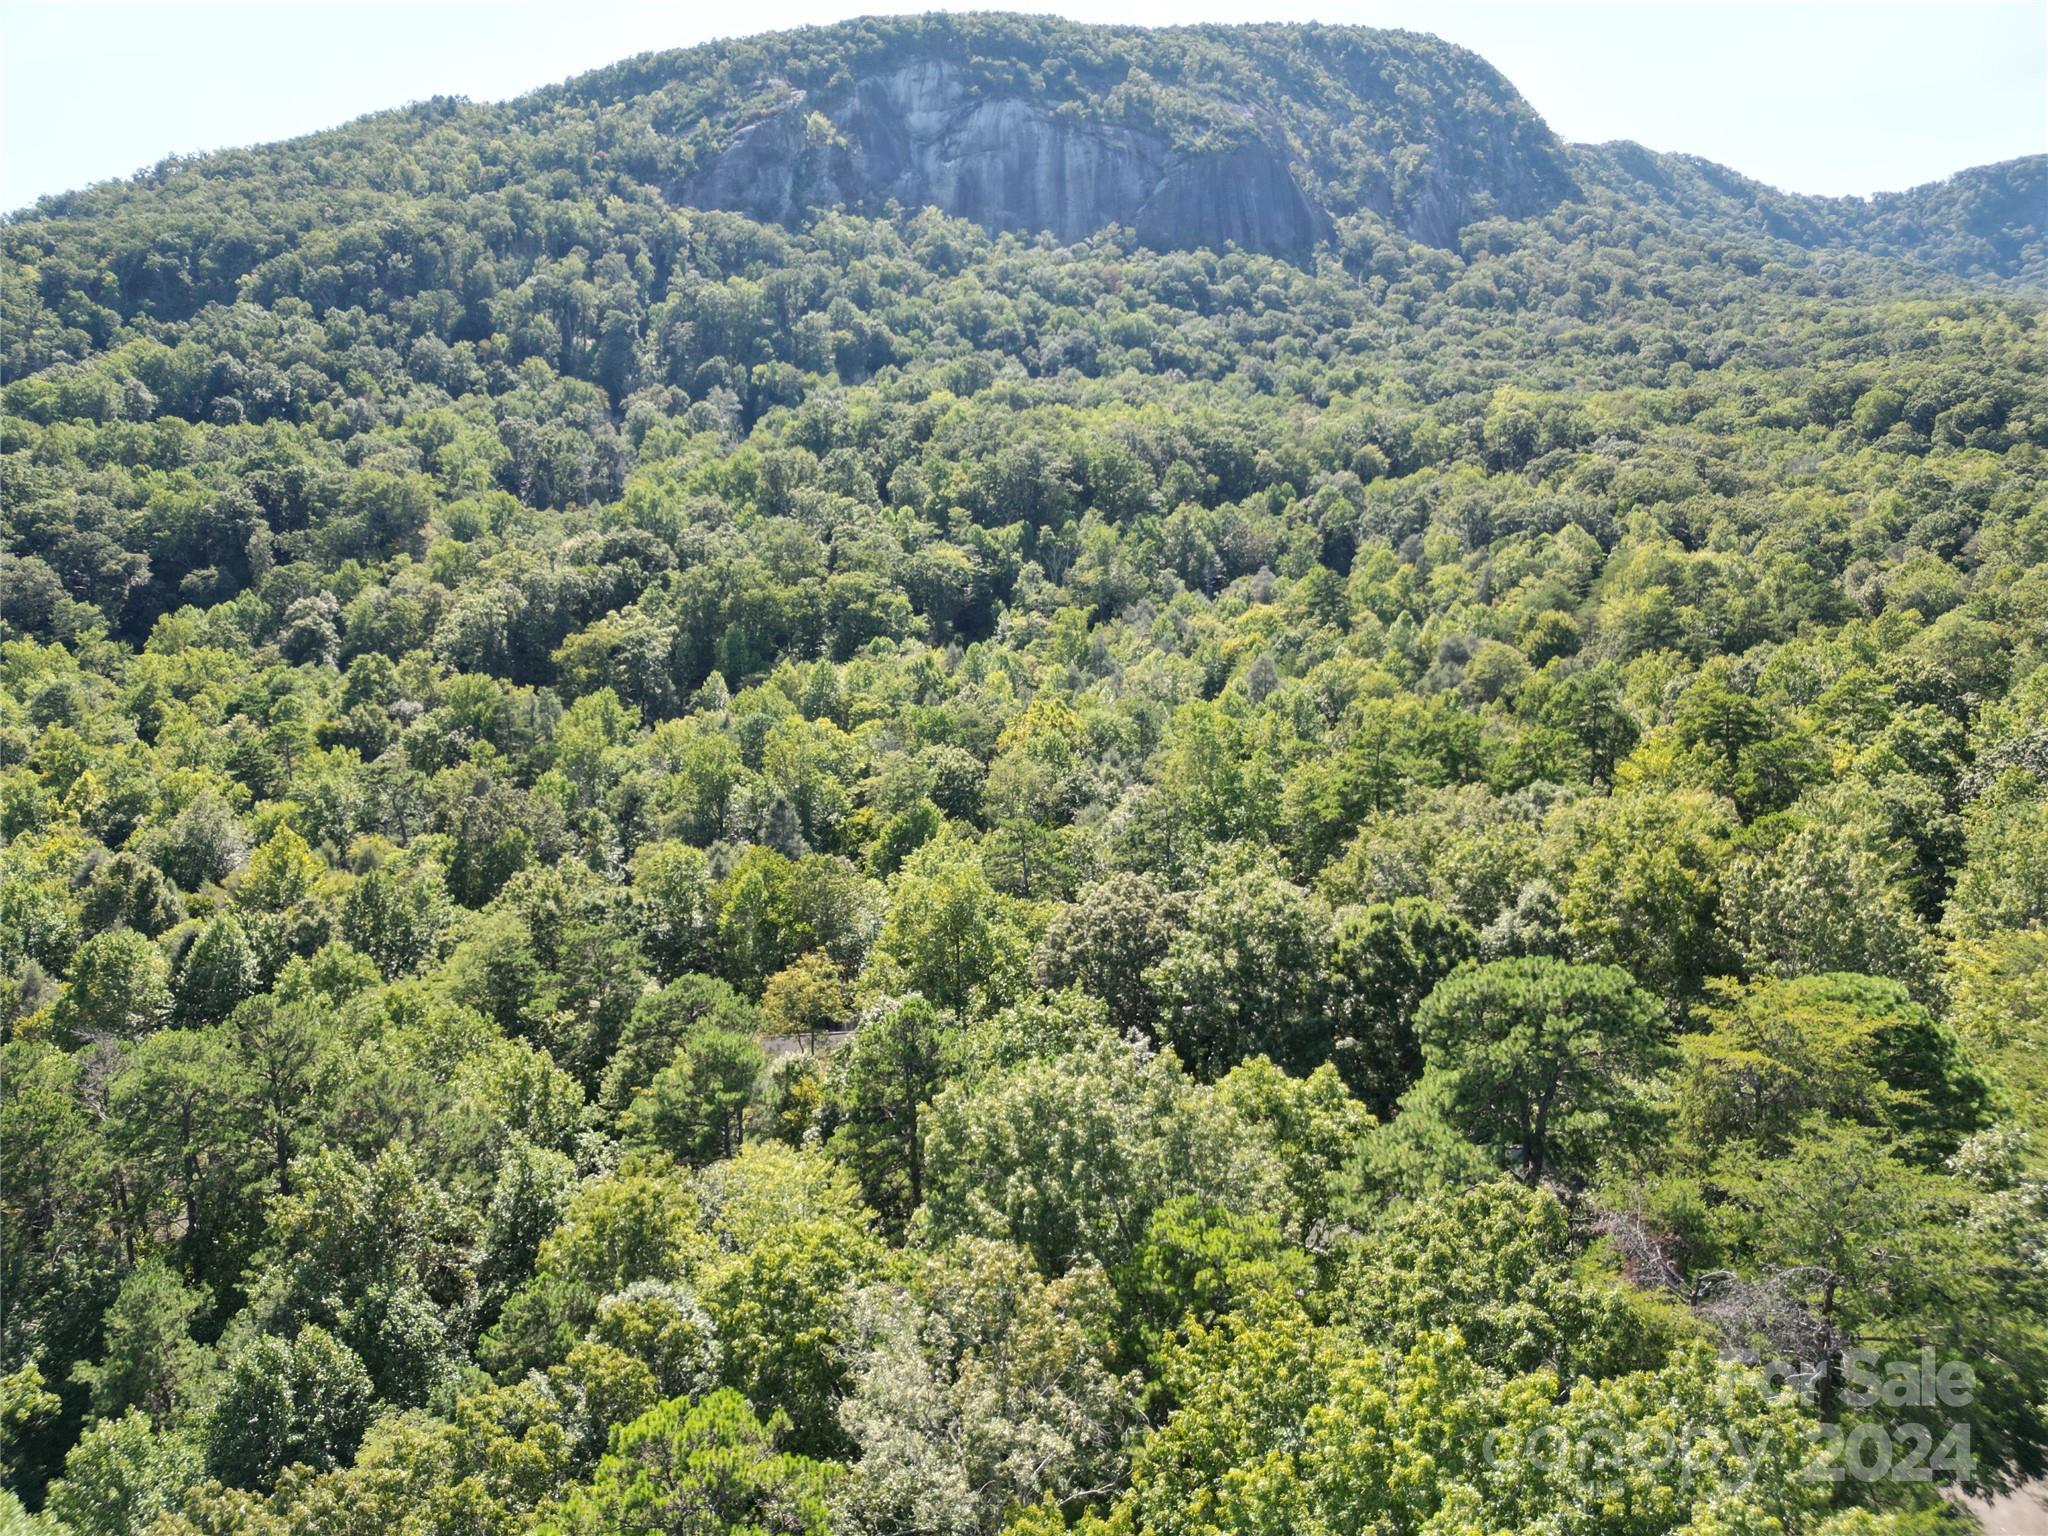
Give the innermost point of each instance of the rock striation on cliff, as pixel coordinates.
(918, 135)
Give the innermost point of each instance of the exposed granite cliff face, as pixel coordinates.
(1490, 171)
(1272, 138)
(917, 136)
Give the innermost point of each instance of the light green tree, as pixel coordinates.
(978, 1386)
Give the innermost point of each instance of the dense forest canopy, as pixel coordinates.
(670, 871)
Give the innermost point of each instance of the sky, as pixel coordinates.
(1816, 96)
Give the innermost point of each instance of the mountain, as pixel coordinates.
(1271, 138)
(1002, 779)
(1255, 136)
(1987, 221)
(1259, 136)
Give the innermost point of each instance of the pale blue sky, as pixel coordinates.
(1851, 96)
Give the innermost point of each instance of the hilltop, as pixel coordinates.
(1272, 138)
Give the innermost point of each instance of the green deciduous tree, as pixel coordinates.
(1496, 1262)
(808, 999)
(1287, 1426)
(1197, 1264)
(1246, 975)
(282, 1404)
(949, 935)
(119, 989)
(780, 1310)
(379, 1255)
(1107, 942)
(1069, 1155)
(980, 1386)
(664, 1022)
(1824, 898)
(219, 971)
(1644, 886)
(1856, 1048)
(120, 1476)
(1384, 960)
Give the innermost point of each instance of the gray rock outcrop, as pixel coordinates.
(917, 137)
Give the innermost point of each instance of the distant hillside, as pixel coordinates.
(1270, 138)
(1987, 221)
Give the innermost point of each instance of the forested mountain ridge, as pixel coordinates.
(1986, 221)
(664, 870)
(1026, 124)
